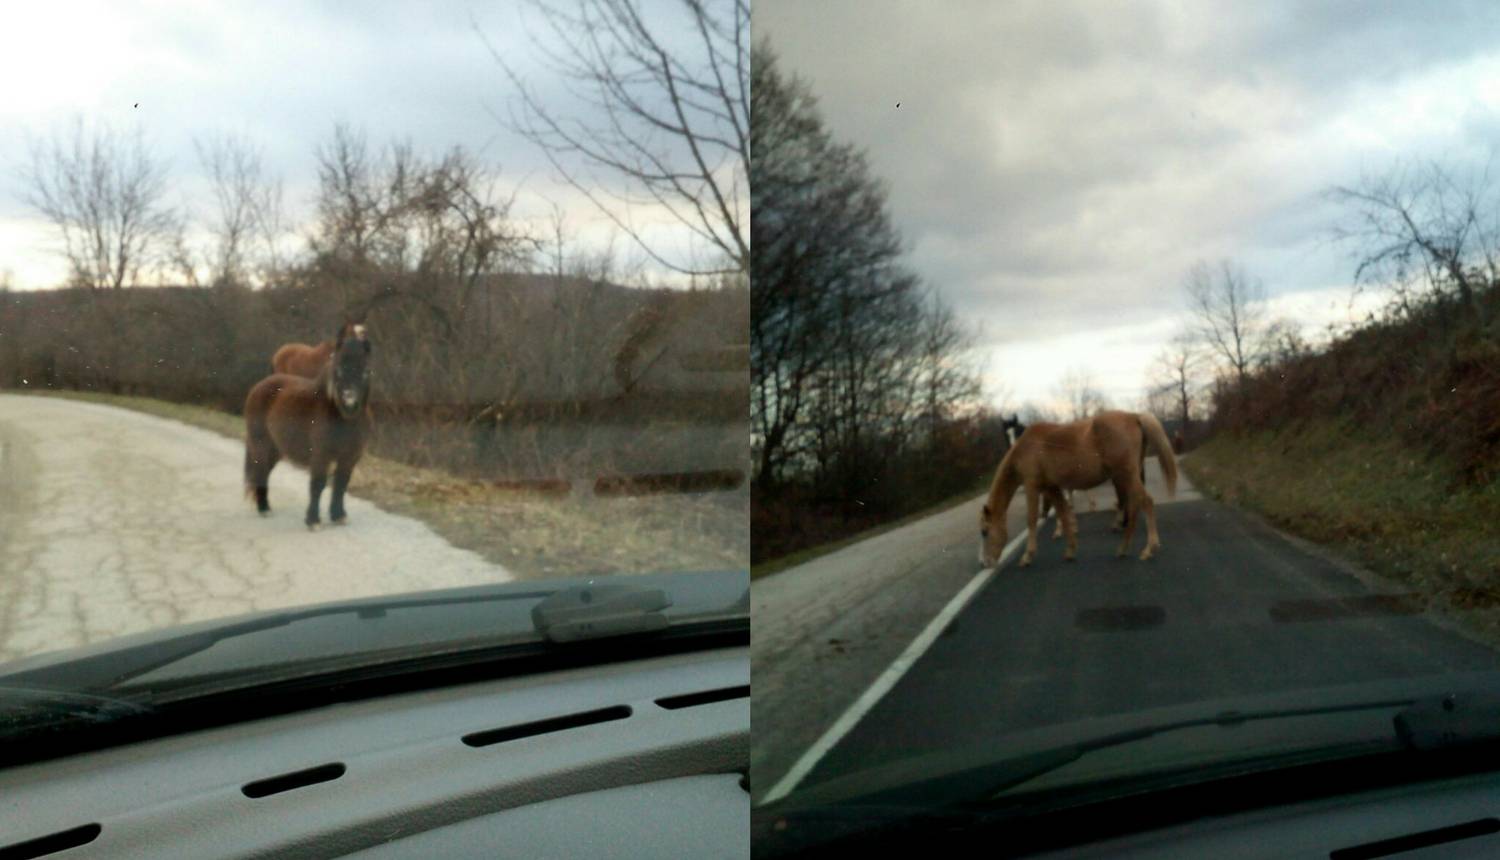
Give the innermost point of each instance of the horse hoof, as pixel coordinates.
(312, 527)
(264, 513)
(341, 521)
(1025, 561)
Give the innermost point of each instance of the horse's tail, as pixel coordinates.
(1154, 432)
(249, 473)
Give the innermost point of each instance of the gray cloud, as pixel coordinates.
(1059, 165)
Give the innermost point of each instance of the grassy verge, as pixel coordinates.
(532, 536)
(1368, 498)
(776, 565)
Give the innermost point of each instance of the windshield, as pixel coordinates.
(1119, 375)
(332, 337)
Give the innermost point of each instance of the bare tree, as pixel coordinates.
(1176, 377)
(946, 384)
(673, 121)
(1282, 342)
(246, 227)
(423, 232)
(1034, 413)
(1083, 397)
(104, 192)
(1228, 306)
(1424, 230)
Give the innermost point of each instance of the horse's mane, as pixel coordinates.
(324, 380)
(1005, 468)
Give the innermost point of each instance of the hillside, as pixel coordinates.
(1384, 446)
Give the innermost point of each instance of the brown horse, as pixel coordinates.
(1120, 513)
(300, 359)
(315, 423)
(1051, 458)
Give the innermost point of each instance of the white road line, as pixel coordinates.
(888, 678)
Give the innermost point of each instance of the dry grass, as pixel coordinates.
(533, 536)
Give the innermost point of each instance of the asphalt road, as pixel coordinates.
(114, 522)
(870, 655)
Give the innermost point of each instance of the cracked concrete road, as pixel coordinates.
(113, 522)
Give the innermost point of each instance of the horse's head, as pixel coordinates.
(349, 372)
(992, 536)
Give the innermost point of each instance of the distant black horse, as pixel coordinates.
(316, 423)
(1013, 428)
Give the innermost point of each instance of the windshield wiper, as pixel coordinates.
(32, 708)
(905, 785)
(112, 668)
(600, 611)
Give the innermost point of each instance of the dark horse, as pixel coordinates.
(315, 423)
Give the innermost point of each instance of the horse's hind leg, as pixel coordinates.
(1047, 507)
(260, 459)
(1128, 492)
(1153, 541)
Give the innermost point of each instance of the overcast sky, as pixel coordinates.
(1056, 167)
(280, 74)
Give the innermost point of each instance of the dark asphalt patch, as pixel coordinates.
(1337, 608)
(1116, 619)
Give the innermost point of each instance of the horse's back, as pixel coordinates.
(281, 362)
(298, 359)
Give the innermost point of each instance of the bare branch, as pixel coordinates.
(674, 128)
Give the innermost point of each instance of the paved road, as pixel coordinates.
(114, 522)
(1231, 607)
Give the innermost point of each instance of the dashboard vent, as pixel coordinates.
(1413, 841)
(51, 844)
(542, 727)
(707, 697)
(296, 779)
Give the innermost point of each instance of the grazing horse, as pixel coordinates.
(300, 359)
(315, 423)
(1014, 428)
(1051, 458)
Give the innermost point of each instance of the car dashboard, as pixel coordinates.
(1457, 818)
(629, 759)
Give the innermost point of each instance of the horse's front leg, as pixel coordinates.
(1033, 502)
(1067, 521)
(341, 472)
(319, 471)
